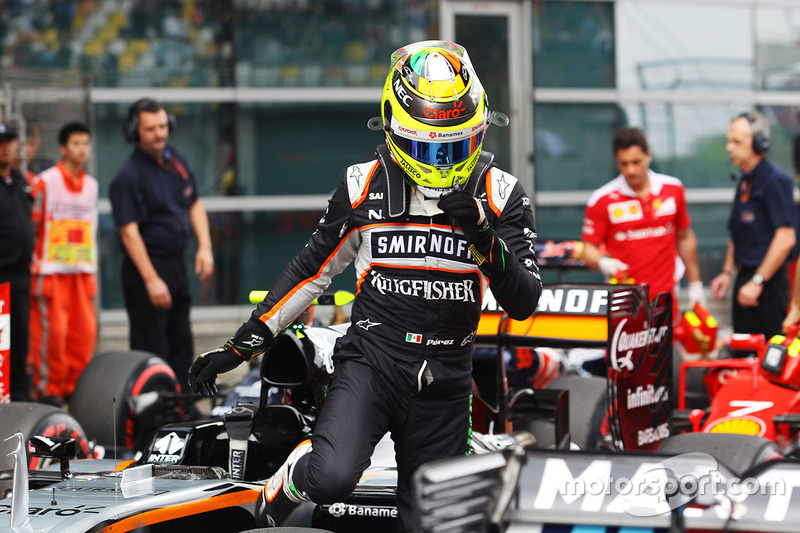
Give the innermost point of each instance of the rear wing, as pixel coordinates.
(635, 333)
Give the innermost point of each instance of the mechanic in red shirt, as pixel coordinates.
(641, 218)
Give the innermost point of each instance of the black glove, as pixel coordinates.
(251, 340)
(466, 211)
(487, 248)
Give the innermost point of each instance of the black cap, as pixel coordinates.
(7, 132)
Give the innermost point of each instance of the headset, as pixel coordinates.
(131, 127)
(760, 128)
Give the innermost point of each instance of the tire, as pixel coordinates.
(740, 453)
(32, 419)
(588, 407)
(100, 400)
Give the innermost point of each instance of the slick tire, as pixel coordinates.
(33, 419)
(588, 407)
(101, 398)
(740, 453)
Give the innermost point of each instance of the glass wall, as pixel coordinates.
(302, 148)
(684, 46)
(272, 98)
(680, 70)
(573, 44)
(250, 250)
(777, 52)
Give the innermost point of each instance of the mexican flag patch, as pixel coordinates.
(414, 337)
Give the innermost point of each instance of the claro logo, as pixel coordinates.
(455, 112)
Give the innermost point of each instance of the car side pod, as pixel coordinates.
(19, 504)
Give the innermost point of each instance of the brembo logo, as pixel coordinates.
(406, 130)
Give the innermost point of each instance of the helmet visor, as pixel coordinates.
(439, 154)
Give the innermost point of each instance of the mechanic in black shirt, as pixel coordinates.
(16, 250)
(430, 224)
(156, 208)
(762, 229)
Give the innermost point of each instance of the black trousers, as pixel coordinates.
(359, 409)
(767, 317)
(20, 295)
(164, 332)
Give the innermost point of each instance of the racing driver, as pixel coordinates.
(430, 223)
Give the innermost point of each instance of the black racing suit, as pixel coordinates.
(404, 364)
(16, 236)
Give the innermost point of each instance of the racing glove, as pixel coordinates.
(610, 266)
(488, 249)
(252, 339)
(696, 293)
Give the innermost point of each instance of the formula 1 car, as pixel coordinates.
(755, 395)
(627, 410)
(696, 481)
(203, 471)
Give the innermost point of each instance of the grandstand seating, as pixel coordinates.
(170, 43)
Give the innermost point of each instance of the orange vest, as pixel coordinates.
(67, 223)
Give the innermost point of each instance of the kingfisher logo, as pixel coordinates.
(457, 291)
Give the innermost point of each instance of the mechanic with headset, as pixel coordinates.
(642, 219)
(762, 228)
(430, 223)
(156, 207)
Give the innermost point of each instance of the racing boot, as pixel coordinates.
(280, 497)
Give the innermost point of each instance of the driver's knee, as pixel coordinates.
(330, 484)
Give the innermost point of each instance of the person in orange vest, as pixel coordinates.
(63, 322)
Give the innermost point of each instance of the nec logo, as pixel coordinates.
(401, 93)
(376, 196)
(375, 214)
